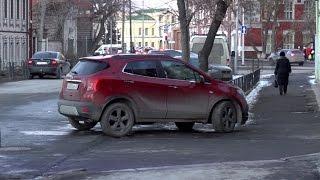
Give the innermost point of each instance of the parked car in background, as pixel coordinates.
(216, 71)
(48, 63)
(295, 56)
(122, 90)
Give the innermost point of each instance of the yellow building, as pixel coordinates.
(149, 28)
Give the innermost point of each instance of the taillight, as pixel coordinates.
(30, 62)
(54, 62)
(92, 85)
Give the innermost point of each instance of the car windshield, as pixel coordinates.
(45, 55)
(86, 67)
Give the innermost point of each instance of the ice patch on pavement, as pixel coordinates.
(266, 76)
(45, 133)
(31, 86)
(252, 97)
(44, 109)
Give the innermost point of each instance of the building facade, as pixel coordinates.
(150, 28)
(14, 31)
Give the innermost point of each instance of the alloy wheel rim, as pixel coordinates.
(119, 119)
(228, 117)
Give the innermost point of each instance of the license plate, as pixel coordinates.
(42, 63)
(72, 86)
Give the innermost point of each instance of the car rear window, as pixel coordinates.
(86, 67)
(45, 55)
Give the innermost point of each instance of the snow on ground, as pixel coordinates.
(31, 86)
(312, 79)
(252, 97)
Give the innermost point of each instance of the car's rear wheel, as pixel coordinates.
(184, 126)
(224, 117)
(82, 124)
(117, 120)
(301, 64)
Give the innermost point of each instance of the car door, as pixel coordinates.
(144, 86)
(187, 98)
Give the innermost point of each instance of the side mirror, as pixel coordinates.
(202, 79)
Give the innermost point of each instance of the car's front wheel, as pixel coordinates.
(185, 126)
(81, 124)
(224, 117)
(117, 120)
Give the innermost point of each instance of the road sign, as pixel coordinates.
(244, 29)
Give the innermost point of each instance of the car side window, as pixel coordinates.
(177, 70)
(143, 68)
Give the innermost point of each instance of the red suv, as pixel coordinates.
(122, 90)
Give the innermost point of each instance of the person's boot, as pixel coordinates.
(281, 89)
(285, 89)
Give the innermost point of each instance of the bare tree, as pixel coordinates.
(218, 13)
(43, 7)
(104, 9)
(185, 17)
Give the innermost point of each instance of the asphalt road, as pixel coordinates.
(281, 140)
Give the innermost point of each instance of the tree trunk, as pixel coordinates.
(102, 31)
(221, 10)
(185, 32)
(43, 7)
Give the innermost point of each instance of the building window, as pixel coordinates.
(288, 10)
(140, 31)
(146, 44)
(11, 9)
(152, 31)
(288, 41)
(18, 9)
(140, 44)
(24, 9)
(309, 10)
(146, 31)
(160, 18)
(307, 39)
(152, 44)
(5, 8)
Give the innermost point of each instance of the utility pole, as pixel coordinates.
(111, 34)
(123, 26)
(236, 40)
(143, 23)
(317, 43)
(130, 19)
(242, 38)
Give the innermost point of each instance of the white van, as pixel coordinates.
(219, 53)
(109, 49)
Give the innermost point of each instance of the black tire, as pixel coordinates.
(301, 64)
(117, 120)
(185, 126)
(41, 76)
(82, 125)
(58, 73)
(224, 117)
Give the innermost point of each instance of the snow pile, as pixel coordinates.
(312, 79)
(252, 97)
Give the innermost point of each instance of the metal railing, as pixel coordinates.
(248, 82)
(13, 70)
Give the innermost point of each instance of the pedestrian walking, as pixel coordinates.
(282, 71)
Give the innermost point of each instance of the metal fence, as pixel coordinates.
(13, 70)
(248, 81)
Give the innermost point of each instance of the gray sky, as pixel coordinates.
(155, 3)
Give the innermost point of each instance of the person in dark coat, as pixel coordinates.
(282, 71)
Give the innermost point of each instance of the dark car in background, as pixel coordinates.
(216, 71)
(48, 63)
(122, 90)
(295, 56)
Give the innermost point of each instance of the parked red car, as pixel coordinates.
(122, 90)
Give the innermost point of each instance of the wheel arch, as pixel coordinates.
(122, 99)
(234, 102)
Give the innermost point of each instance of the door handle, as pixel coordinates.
(174, 87)
(129, 81)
